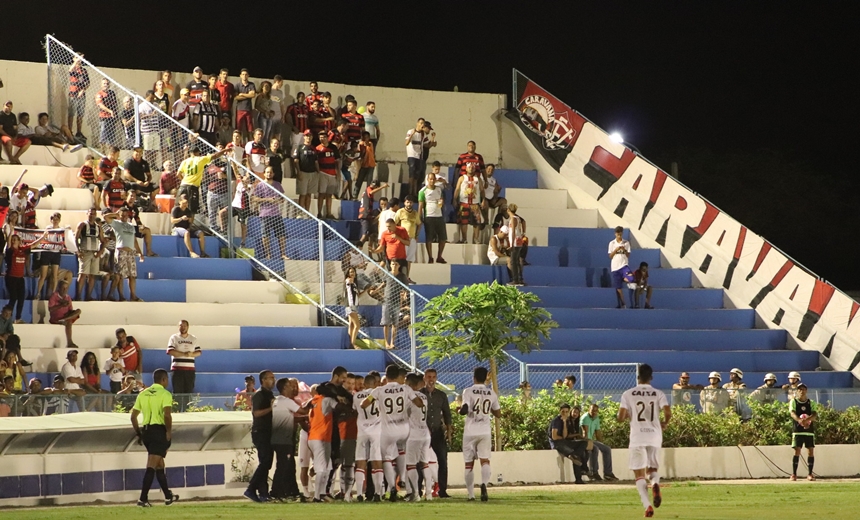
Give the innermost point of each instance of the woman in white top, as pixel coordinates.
(48, 259)
(491, 193)
(352, 294)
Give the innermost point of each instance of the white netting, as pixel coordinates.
(589, 376)
(242, 201)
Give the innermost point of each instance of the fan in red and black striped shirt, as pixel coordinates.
(355, 121)
(298, 111)
(196, 86)
(470, 157)
(337, 136)
(315, 94)
(108, 164)
(318, 118)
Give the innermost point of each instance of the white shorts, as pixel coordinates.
(411, 249)
(326, 184)
(367, 448)
(642, 457)
(304, 451)
(477, 447)
(393, 444)
(321, 451)
(416, 451)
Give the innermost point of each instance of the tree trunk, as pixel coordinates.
(494, 378)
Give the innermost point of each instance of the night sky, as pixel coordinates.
(755, 102)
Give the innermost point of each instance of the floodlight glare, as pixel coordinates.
(615, 136)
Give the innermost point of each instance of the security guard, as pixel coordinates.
(155, 404)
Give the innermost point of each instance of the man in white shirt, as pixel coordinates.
(371, 123)
(284, 411)
(414, 154)
(367, 444)
(74, 378)
(184, 349)
(431, 200)
(393, 401)
(479, 403)
(619, 254)
(385, 214)
(418, 450)
(641, 405)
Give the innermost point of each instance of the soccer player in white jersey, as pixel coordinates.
(479, 402)
(392, 399)
(418, 449)
(641, 405)
(367, 445)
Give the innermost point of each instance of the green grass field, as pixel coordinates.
(688, 500)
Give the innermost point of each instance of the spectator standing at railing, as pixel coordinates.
(307, 167)
(79, 81)
(414, 154)
(768, 392)
(226, 130)
(428, 144)
(130, 352)
(468, 194)
(168, 85)
(328, 159)
(431, 200)
(181, 113)
(278, 106)
(226, 91)
(204, 118)
(473, 158)
(91, 244)
(367, 163)
(682, 390)
(184, 349)
(255, 151)
(214, 93)
(276, 158)
(793, 383)
(735, 387)
(246, 91)
(196, 86)
(192, 170)
(298, 114)
(150, 132)
(269, 199)
(371, 123)
(126, 250)
(264, 115)
(128, 121)
(314, 94)
(713, 398)
(9, 134)
(109, 124)
(409, 219)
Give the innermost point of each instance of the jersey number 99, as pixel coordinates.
(390, 404)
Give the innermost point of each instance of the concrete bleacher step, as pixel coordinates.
(666, 319)
(683, 341)
(566, 276)
(40, 174)
(161, 313)
(555, 256)
(548, 217)
(536, 198)
(674, 361)
(253, 361)
(159, 223)
(580, 237)
(537, 234)
(508, 178)
(67, 199)
(44, 343)
(604, 298)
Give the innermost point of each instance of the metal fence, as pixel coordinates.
(241, 200)
(27, 405)
(589, 376)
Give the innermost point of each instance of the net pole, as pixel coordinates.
(321, 238)
(582, 377)
(137, 139)
(412, 348)
(50, 81)
(231, 228)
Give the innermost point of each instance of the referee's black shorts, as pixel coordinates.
(154, 437)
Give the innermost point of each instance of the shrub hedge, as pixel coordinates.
(524, 424)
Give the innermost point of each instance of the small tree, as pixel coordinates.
(480, 321)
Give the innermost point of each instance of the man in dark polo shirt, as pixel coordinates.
(439, 423)
(261, 436)
(566, 437)
(154, 405)
(136, 169)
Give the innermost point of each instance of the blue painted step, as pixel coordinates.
(566, 276)
(681, 340)
(253, 361)
(555, 256)
(654, 319)
(589, 238)
(589, 297)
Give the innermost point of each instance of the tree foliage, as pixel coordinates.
(480, 321)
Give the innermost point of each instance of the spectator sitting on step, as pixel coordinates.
(136, 169)
(641, 286)
(497, 252)
(590, 423)
(115, 369)
(243, 397)
(140, 231)
(25, 130)
(566, 438)
(768, 392)
(62, 312)
(182, 219)
(87, 178)
(492, 188)
(47, 129)
(130, 352)
(170, 179)
(791, 387)
(9, 134)
(713, 398)
(36, 403)
(7, 327)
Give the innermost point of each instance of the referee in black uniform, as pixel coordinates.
(154, 404)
